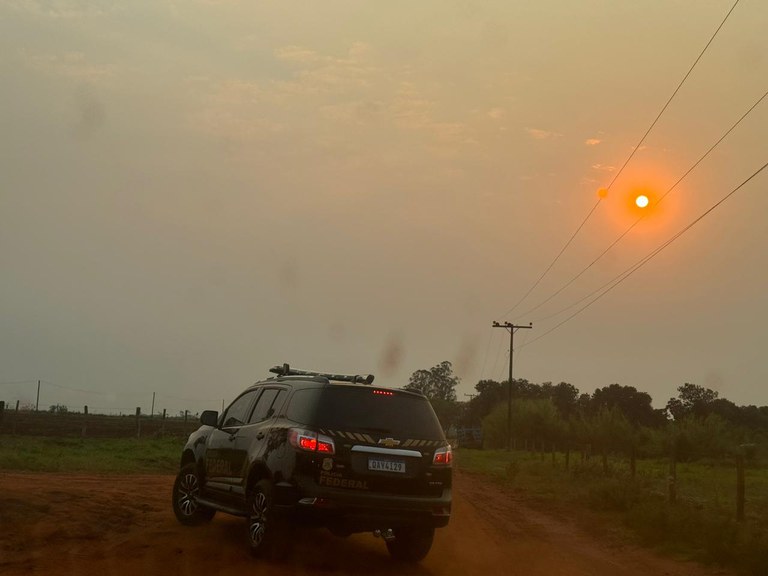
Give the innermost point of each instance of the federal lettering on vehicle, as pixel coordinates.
(219, 467)
(335, 480)
(381, 465)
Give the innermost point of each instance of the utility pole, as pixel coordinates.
(37, 402)
(511, 328)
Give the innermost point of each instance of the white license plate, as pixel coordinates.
(380, 465)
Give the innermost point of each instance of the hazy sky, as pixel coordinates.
(191, 192)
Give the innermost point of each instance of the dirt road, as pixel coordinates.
(110, 525)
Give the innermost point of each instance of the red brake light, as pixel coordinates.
(443, 456)
(325, 447)
(310, 441)
(306, 443)
(383, 393)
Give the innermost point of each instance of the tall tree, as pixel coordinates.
(635, 406)
(692, 400)
(489, 393)
(565, 398)
(437, 383)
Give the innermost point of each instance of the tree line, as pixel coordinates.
(696, 423)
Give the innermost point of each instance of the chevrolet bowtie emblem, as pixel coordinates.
(389, 442)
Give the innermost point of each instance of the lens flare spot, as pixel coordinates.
(602, 193)
(641, 201)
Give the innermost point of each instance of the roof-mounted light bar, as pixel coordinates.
(286, 370)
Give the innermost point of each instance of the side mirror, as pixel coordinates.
(209, 418)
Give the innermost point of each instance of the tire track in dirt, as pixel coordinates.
(57, 524)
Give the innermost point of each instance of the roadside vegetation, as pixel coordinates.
(690, 478)
(700, 524)
(90, 455)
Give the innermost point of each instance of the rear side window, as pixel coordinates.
(365, 409)
(237, 413)
(268, 403)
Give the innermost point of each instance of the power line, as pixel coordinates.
(656, 203)
(643, 261)
(485, 359)
(637, 147)
(626, 162)
(81, 390)
(498, 352)
(563, 249)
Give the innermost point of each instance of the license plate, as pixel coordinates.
(380, 465)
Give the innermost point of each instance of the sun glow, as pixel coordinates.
(641, 201)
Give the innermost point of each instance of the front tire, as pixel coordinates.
(186, 490)
(411, 544)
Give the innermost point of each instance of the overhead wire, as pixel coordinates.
(485, 359)
(656, 203)
(626, 162)
(701, 54)
(498, 352)
(643, 261)
(616, 176)
(559, 254)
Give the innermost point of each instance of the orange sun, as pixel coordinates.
(641, 201)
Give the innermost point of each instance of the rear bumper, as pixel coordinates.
(349, 510)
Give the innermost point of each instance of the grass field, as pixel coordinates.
(701, 524)
(93, 455)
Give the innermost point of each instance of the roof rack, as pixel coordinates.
(286, 370)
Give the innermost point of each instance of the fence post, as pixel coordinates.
(186, 412)
(2, 411)
(672, 479)
(85, 421)
(162, 424)
(15, 418)
(138, 422)
(740, 488)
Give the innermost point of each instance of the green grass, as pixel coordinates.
(701, 524)
(90, 455)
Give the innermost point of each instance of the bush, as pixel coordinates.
(532, 420)
(616, 494)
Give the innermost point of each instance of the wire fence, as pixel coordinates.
(65, 423)
(46, 396)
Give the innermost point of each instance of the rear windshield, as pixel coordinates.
(365, 410)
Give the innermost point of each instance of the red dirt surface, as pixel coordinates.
(123, 524)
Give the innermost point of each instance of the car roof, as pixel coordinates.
(323, 382)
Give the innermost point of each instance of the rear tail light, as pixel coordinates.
(443, 456)
(309, 441)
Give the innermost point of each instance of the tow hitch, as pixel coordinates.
(386, 533)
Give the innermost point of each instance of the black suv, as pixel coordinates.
(317, 449)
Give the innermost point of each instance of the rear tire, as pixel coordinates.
(411, 544)
(268, 534)
(186, 490)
